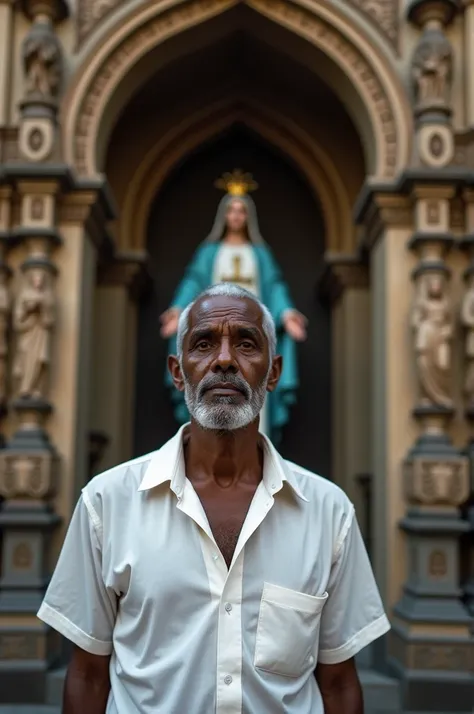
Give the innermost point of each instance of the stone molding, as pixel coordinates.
(341, 273)
(382, 14)
(127, 269)
(380, 205)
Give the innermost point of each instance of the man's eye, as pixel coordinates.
(203, 345)
(247, 345)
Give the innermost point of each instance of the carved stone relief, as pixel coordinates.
(432, 65)
(467, 319)
(21, 647)
(432, 323)
(90, 13)
(33, 322)
(437, 564)
(4, 322)
(446, 657)
(383, 14)
(42, 62)
(437, 482)
(27, 476)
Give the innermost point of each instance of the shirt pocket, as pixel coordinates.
(287, 630)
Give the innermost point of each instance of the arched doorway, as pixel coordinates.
(291, 221)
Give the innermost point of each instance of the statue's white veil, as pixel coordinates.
(218, 229)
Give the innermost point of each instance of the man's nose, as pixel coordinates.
(225, 360)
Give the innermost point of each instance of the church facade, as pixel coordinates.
(356, 118)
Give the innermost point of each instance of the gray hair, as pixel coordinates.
(227, 290)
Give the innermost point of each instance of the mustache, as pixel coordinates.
(216, 380)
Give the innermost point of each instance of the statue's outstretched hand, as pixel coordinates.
(295, 324)
(169, 322)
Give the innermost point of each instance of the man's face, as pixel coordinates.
(226, 368)
(236, 216)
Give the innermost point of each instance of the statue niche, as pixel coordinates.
(236, 252)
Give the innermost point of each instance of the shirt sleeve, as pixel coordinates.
(77, 604)
(353, 615)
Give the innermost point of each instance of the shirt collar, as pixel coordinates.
(167, 464)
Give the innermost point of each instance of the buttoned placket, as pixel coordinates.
(226, 590)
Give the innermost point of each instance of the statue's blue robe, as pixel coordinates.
(275, 295)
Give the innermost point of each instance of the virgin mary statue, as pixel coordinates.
(235, 252)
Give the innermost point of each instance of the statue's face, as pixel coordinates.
(435, 286)
(37, 279)
(236, 216)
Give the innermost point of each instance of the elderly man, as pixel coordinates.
(212, 576)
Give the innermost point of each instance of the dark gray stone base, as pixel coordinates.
(23, 683)
(436, 692)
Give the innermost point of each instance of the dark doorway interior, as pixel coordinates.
(291, 222)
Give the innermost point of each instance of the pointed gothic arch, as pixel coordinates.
(93, 102)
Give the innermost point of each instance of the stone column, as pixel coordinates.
(431, 74)
(5, 302)
(344, 284)
(469, 59)
(430, 644)
(467, 320)
(120, 284)
(6, 22)
(385, 217)
(29, 463)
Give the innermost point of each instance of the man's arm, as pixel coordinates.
(340, 688)
(87, 684)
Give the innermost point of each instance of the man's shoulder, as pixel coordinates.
(120, 480)
(320, 489)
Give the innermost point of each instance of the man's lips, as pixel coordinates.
(224, 389)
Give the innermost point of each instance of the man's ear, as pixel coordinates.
(275, 373)
(176, 373)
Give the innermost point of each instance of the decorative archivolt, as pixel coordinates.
(313, 162)
(385, 126)
(383, 14)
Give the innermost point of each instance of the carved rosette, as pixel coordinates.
(431, 78)
(43, 69)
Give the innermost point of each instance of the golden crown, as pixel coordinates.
(236, 183)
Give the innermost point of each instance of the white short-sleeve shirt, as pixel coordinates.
(140, 577)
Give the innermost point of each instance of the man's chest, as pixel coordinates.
(226, 514)
(172, 555)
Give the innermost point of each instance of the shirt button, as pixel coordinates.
(214, 557)
(273, 485)
(311, 659)
(228, 679)
(228, 607)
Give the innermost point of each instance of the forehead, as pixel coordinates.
(236, 203)
(217, 310)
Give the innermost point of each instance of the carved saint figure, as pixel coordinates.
(236, 252)
(42, 62)
(467, 319)
(4, 316)
(33, 322)
(432, 69)
(433, 327)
